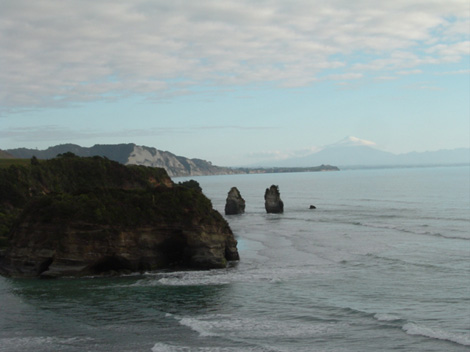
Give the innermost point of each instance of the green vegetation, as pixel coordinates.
(120, 208)
(191, 184)
(4, 163)
(94, 190)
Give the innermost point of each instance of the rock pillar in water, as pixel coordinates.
(272, 200)
(234, 204)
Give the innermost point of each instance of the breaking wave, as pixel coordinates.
(438, 334)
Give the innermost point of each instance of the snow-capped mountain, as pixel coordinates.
(356, 152)
(352, 141)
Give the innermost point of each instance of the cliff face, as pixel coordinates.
(71, 223)
(173, 164)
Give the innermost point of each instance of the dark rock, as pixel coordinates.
(313, 207)
(272, 200)
(234, 204)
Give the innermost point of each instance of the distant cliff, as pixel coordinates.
(131, 154)
(73, 216)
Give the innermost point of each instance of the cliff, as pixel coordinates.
(131, 154)
(73, 216)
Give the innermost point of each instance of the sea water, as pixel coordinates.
(382, 264)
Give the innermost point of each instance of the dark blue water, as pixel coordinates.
(382, 264)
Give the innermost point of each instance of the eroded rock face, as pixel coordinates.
(59, 247)
(83, 249)
(234, 204)
(272, 200)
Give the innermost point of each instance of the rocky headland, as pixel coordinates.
(73, 216)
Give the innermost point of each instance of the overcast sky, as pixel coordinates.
(235, 81)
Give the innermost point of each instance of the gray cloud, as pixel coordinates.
(60, 52)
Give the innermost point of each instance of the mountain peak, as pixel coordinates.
(353, 141)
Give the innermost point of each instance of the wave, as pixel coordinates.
(252, 330)
(256, 328)
(438, 334)
(224, 276)
(404, 230)
(414, 329)
(163, 347)
(401, 262)
(31, 343)
(386, 317)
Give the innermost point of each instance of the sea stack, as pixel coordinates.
(234, 204)
(272, 200)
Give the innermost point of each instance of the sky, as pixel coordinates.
(235, 82)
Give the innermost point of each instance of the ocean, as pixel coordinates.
(382, 264)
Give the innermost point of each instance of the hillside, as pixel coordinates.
(74, 216)
(131, 154)
(5, 155)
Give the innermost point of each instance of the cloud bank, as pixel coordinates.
(58, 52)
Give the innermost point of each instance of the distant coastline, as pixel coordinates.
(276, 170)
(401, 166)
(132, 154)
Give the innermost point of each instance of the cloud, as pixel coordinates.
(344, 76)
(456, 72)
(409, 72)
(46, 133)
(56, 52)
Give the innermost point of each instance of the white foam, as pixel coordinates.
(386, 317)
(162, 347)
(30, 343)
(438, 334)
(221, 277)
(255, 328)
(204, 328)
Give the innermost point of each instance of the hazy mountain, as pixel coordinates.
(355, 152)
(132, 154)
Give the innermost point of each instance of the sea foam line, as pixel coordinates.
(255, 328)
(414, 232)
(414, 329)
(163, 347)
